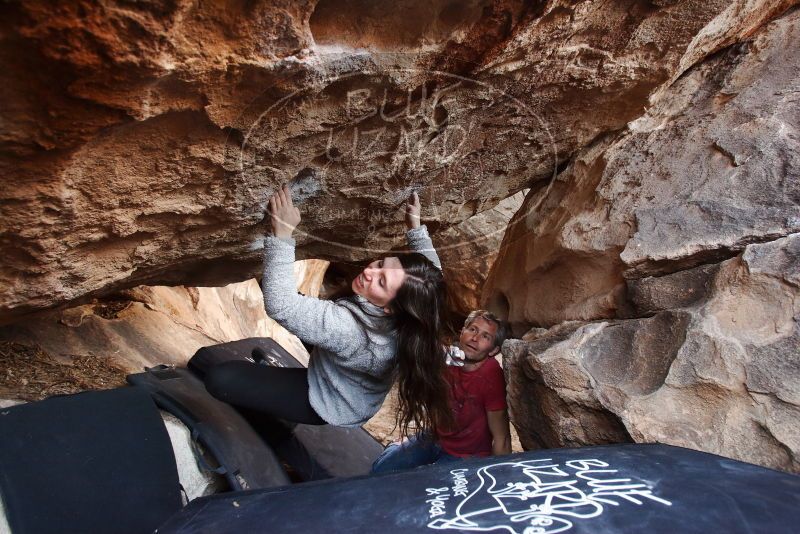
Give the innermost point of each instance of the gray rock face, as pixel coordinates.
(719, 372)
(678, 290)
(469, 249)
(674, 245)
(710, 168)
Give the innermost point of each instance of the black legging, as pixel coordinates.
(277, 391)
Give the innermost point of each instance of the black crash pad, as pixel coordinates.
(274, 354)
(609, 489)
(315, 452)
(99, 461)
(241, 455)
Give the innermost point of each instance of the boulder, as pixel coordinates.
(718, 372)
(144, 139)
(657, 141)
(468, 250)
(710, 168)
(656, 278)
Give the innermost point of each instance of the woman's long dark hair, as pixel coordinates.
(419, 318)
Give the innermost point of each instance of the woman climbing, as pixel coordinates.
(391, 327)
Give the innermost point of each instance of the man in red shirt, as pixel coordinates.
(478, 401)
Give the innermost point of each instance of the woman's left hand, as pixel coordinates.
(285, 217)
(413, 211)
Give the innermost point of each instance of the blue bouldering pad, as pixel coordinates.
(623, 488)
(99, 461)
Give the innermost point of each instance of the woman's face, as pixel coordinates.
(379, 281)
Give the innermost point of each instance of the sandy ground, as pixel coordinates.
(29, 373)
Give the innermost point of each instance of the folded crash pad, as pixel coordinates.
(237, 452)
(99, 461)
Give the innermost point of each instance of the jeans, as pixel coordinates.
(416, 451)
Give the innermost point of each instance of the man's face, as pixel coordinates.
(477, 339)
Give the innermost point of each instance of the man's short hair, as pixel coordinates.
(500, 335)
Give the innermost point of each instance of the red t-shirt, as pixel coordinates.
(472, 394)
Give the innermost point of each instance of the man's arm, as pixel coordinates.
(501, 432)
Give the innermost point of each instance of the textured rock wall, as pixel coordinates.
(468, 251)
(143, 139)
(714, 368)
(681, 230)
(711, 167)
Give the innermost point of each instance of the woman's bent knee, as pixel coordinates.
(221, 380)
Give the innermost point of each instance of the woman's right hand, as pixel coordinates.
(413, 210)
(284, 216)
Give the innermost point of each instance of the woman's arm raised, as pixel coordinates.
(417, 234)
(315, 321)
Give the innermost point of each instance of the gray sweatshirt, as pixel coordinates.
(351, 367)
